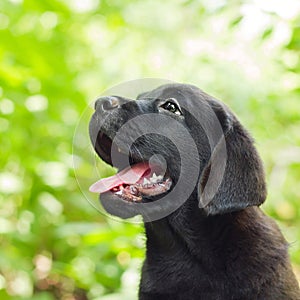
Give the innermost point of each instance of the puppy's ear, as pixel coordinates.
(243, 182)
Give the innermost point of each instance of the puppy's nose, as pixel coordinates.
(107, 103)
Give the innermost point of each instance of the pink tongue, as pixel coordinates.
(130, 175)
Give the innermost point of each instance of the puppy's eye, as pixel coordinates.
(172, 107)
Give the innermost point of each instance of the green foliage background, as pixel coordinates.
(57, 56)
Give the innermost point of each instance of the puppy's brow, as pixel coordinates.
(152, 98)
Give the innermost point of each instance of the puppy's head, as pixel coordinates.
(173, 146)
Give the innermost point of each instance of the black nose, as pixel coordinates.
(107, 103)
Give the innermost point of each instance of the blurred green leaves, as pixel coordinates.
(57, 56)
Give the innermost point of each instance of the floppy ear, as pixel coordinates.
(243, 182)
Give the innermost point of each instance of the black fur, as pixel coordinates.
(225, 250)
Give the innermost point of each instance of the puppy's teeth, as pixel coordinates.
(146, 181)
(153, 178)
(133, 190)
(160, 177)
(119, 193)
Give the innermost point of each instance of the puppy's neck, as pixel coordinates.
(207, 237)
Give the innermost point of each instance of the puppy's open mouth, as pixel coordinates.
(131, 184)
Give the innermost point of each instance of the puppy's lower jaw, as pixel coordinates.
(135, 192)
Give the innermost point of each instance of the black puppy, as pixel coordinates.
(197, 180)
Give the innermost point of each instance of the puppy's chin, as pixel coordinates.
(118, 207)
(149, 208)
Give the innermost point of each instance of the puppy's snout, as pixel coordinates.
(107, 103)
